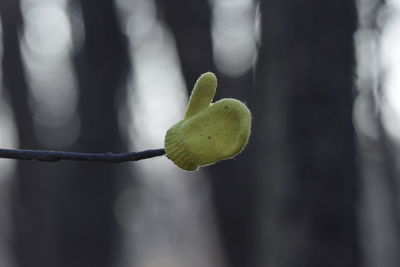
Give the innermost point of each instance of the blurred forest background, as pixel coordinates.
(318, 184)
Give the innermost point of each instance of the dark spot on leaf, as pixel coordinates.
(226, 107)
(209, 137)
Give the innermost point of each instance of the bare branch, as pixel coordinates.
(52, 156)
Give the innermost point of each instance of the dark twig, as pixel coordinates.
(52, 156)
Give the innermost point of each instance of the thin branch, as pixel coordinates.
(52, 156)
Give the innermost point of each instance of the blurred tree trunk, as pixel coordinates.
(102, 66)
(308, 176)
(13, 71)
(190, 23)
(63, 212)
(30, 191)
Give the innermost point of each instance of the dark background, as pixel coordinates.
(317, 184)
